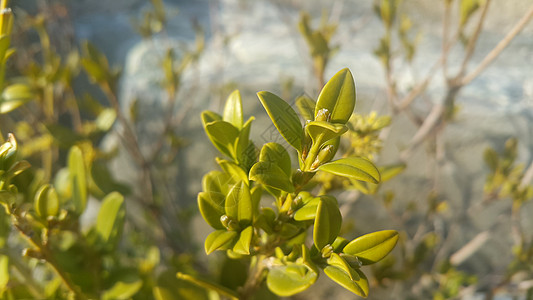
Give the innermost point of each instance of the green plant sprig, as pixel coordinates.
(274, 239)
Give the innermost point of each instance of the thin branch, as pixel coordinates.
(489, 58)
(528, 176)
(472, 42)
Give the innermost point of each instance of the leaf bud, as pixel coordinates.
(326, 251)
(323, 115)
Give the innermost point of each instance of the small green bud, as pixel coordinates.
(326, 251)
(229, 223)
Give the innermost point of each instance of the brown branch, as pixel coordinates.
(472, 42)
(489, 58)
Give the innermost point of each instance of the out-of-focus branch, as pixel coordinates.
(472, 42)
(492, 55)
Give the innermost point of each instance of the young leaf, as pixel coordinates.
(122, 290)
(14, 96)
(242, 246)
(308, 211)
(216, 181)
(233, 110)
(223, 135)
(306, 107)
(46, 201)
(354, 168)
(327, 223)
(245, 156)
(287, 280)
(358, 287)
(336, 260)
(322, 131)
(388, 172)
(78, 179)
(338, 97)
(238, 203)
(211, 206)
(210, 116)
(271, 175)
(236, 172)
(276, 154)
(371, 248)
(111, 218)
(220, 240)
(284, 118)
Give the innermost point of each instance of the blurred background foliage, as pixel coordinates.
(99, 202)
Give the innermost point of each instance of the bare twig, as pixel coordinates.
(489, 58)
(528, 176)
(472, 42)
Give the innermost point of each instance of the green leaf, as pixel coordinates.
(468, 8)
(238, 203)
(211, 206)
(284, 118)
(358, 287)
(4, 272)
(371, 248)
(306, 107)
(287, 280)
(14, 96)
(322, 131)
(354, 168)
(46, 202)
(245, 150)
(242, 246)
(339, 244)
(223, 135)
(338, 97)
(105, 120)
(328, 222)
(336, 260)
(276, 154)
(216, 181)
(122, 290)
(78, 179)
(236, 172)
(233, 110)
(220, 240)
(391, 171)
(210, 116)
(271, 175)
(308, 211)
(111, 217)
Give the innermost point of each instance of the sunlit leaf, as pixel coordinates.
(220, 240)
(14, 96)
(211, 206)
(306, 107)
(287, 280)
(238, 203)
(276, 154)
(233, 110)
(353, 167)
(271, 175)
(371, 248)
(338, 97)
(242, 246)
(284, 118)
(358, 287)
(46, 201)
(328, 222)
(78, 179)
(111, 217)
(122, 290)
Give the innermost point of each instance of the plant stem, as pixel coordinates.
(254, 279)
